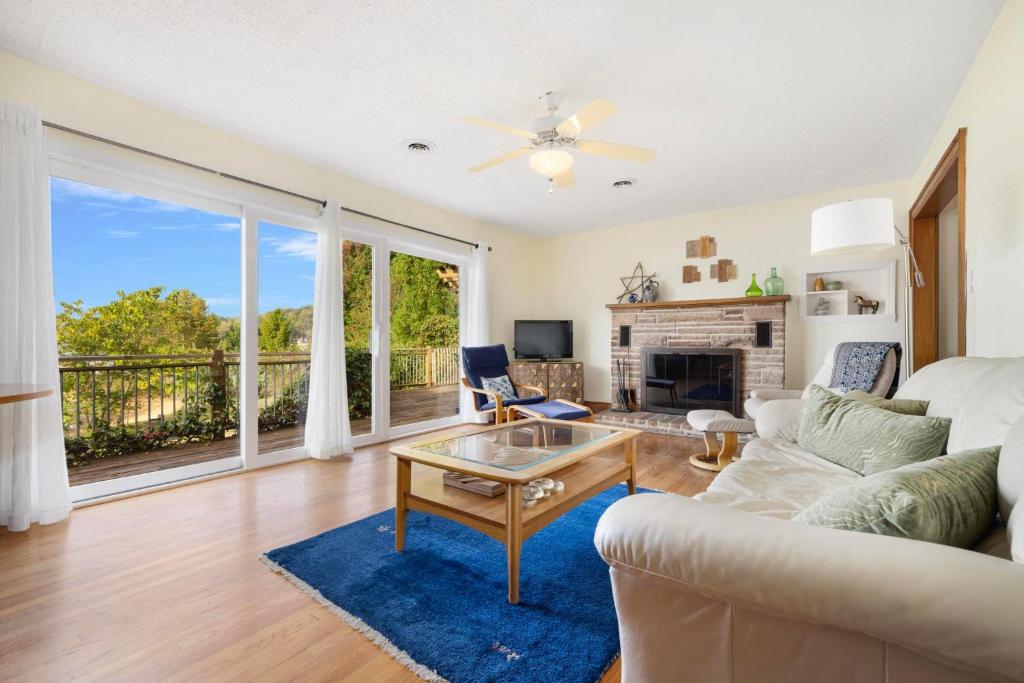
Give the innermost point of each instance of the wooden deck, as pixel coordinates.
(408, 406)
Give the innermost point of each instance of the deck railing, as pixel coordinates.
(424, 367)
(177, 393)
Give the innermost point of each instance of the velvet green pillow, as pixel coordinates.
(950, 499)
(866, 439)
(903, 406)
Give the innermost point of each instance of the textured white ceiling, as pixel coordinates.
(744, 100)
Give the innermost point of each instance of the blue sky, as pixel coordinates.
(105, 240)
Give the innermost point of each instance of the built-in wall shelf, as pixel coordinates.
(874, 280)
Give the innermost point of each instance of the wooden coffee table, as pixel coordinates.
(587, 457)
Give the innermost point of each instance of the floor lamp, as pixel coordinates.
(868, 225)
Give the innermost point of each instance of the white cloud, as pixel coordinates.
(300, 247)
(221, 300)
(62, 189)
(123, 234)
(230, 226)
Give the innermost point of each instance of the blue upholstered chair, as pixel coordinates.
(492, 361)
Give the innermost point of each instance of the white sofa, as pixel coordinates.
(723, 587)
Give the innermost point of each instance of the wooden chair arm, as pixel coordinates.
(493, 395)
(538, 390)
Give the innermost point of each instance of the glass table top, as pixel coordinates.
(517, 446)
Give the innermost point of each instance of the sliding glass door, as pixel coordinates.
(184, 326)
(424, 336)
(148, 296)
(403, 306)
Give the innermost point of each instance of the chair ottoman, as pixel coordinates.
(559, 409)
(711, 422)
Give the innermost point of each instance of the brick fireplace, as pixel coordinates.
(703, 326)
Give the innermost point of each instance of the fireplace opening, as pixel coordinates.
(678, 380)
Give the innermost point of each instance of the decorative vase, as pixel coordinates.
(819, 284)
(773, 284)
(824, 307)
(753, 289)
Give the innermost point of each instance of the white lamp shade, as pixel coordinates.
(849, 227)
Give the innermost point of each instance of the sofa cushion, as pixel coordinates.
(775, 478)
(903, 406)
(1011, 489)
(949, 499)
(865, 439)
(984, 396)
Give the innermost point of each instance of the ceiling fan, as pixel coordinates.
(555, 137)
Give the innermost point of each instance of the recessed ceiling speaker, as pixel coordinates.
(763, 334)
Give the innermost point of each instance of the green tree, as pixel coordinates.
(357, 264)
(424, 307)
(275, 333)
(140, 322)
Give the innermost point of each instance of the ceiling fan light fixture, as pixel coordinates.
(550, 162)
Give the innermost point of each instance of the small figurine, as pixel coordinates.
(651, 291)
(823, 307)
(862, 304)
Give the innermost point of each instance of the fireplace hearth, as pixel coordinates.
(678, 380)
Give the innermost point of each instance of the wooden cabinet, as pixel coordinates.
(558, 380)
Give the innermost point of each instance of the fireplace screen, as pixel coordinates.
(680, 380)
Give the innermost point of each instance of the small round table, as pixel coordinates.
(13, 393)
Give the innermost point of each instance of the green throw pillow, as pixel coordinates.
(866, 439)
(903, 406)
(950, 499)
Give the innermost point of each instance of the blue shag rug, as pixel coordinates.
(440, 606)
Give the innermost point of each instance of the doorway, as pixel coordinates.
(937, 237)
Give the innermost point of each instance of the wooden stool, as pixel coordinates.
(711, 422)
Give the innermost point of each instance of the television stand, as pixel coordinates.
(558, 378)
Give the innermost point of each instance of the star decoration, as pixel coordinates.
(635, 283)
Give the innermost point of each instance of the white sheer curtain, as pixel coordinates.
(478, 321)
(328, 433)
(33, 473)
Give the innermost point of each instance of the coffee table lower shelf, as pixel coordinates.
(503, 517)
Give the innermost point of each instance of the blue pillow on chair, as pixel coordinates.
(501, 385)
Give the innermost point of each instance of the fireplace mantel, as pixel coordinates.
(699, 303)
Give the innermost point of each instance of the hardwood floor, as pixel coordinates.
(168, 586)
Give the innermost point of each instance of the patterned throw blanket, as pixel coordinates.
(857, 364)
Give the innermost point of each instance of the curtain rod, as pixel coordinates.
(475, 245)
(229, 176)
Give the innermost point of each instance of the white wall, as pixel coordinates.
(990, 104)
(78, 104)
(580, 274)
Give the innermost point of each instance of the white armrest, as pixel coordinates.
(775, 394)
(780, 419)
(955, 606)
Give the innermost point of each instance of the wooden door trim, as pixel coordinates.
(947, 179)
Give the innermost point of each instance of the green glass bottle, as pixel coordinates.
(773, 284)
(753, 289)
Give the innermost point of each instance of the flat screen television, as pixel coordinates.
(543, 339)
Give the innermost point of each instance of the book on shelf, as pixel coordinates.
(483, 487)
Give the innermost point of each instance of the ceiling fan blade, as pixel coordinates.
(587, 117)
(615, 151)
(486, 123)
(501, 159)
(565, 179)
